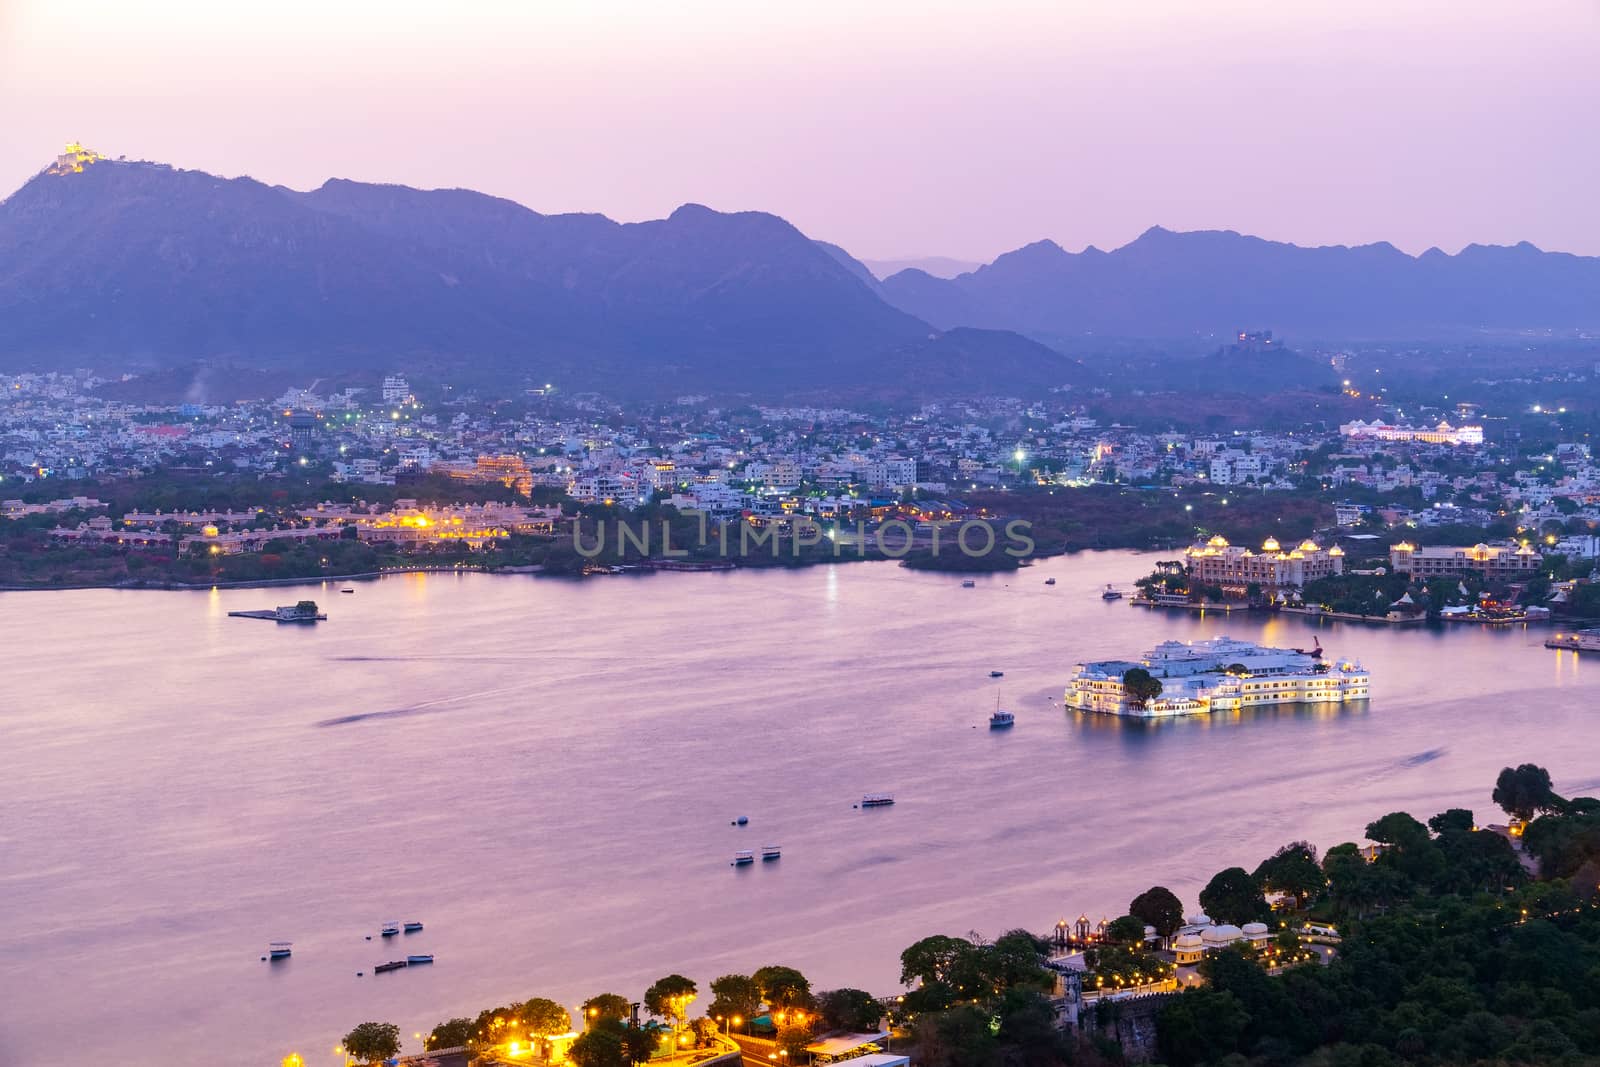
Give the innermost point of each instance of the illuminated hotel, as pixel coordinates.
(1492, 561)
(1218, 563)
(1201, 677)
(1442, 434)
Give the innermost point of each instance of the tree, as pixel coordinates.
(373, 1042)
(1524, 791)
(850, 1009)
(1294, 870)
(783, 988)
(1232, 896)
(1140, 686)
(933, 959)
(670, 997)
(612, 1043)
(734, 994)
(542, 1016)
(1455, 820)
(1159, 907)
(791, 1041)
(1127, 930)
(607, 1006)
(452, 1033)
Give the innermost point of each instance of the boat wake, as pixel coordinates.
(1423, 757)
(429, 707)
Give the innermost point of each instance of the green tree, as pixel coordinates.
(670, 997)
(373, 1042)
(1293, 870)
(1159, 907)
(783, 988)
(542, 1016)
(613, 1043)
(850, 1009)
(452, 1033)
(734, 994)
(1232, 896)
(1455, 820)
(1140, 686)
(1523, 791)
(1127, 930)
(607, 1006)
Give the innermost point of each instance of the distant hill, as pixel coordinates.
(1167, 284)
(138, 264)
(938, 266)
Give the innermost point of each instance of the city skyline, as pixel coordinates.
(903, 132)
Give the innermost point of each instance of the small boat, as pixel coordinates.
(413, 927)
(877, 800)
(1110, 594)
(413, 961)
(770, 852)
(347, 590)
(1002, 720)
(744, 857)
(969, 584)
(392, 965)
(390, 929)
(278, 950)
(1049, 581)
(997, 674)
(742, 820)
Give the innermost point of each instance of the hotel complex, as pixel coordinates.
(1442, 434)
(1218, 675)
(1492, 561)
(1218, 563)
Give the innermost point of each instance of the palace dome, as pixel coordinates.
(1226, 934)
(1254, 929)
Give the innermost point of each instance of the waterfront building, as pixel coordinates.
(1221, 674)
(1492, 561)
(1218, 563)
(1442, 434)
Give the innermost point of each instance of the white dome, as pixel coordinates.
(1199, 918)
(1187, 941)
(1254, 929)
(1221, 935)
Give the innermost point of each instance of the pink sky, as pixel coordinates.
(892, 127)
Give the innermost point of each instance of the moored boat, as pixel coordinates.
(390, 929)
(1111, 594)
(279, 950)
(997, 674)
(877, 800)
(392, 965)
(424, 957)
(1002, 720)
(770, 852)
(413, 927)
(1049, 581)
(969, 584)
(744, 857)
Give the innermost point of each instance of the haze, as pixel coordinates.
(895, 128)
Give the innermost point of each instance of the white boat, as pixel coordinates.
(413, 927)
(744, 857)
(877, 800)
(390, 929)
(279, 950)
(770, 852)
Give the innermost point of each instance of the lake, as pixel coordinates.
(545, 772)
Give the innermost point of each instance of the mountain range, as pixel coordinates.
(143, 264)
(1215, 282)
(139, 265)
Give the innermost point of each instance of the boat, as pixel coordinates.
(997, 674)
(770, 852)
(392, 965)
(426, 957)
(1001, 720)
(413, 927)
(877, 800)
(278, 950)
(1049, 581)
(742, 820)
(1110, 594)
(347, 590)
(744, 857)
(390, 929)
(969, 584)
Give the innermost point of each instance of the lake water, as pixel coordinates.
(544, 772)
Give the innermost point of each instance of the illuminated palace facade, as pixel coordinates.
(1491, 561)
(1442, 434)
(1218, 563)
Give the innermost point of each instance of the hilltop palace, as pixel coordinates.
(1222, 674)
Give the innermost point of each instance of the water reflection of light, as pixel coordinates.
(830, 585)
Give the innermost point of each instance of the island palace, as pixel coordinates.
(1222, 674)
